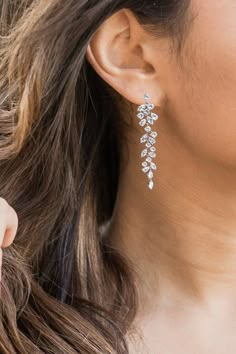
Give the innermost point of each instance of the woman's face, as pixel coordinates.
(202, 91)
(196, 90)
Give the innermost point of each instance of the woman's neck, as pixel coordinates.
(181, 236)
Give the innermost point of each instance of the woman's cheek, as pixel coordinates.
(203, 91)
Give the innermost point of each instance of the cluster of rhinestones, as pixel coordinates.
(146, 120)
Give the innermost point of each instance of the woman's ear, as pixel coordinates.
(124, 55)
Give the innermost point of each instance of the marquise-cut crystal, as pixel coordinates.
(144, 138)
(144, 153)
(149, 159)
(150, 174)
(153, 148)
(144, 164)
(148, 145)
(153, 166)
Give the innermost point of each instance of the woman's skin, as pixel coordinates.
(181, 236)
(8, 227)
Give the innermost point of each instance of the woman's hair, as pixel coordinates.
(64, 289)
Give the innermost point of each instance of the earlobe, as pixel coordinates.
(117, 54)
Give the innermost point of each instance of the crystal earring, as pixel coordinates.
(146, 120)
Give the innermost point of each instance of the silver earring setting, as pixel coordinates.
(146, 120)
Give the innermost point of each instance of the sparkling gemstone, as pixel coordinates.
(148, 128)
(148, 145)
(140, 115)
(149, 159)
(152, 154)
(144, 138)
(151, 141)
(150, 106)
(154, 116)
(153, 148)
(144, 153)
(151, 184)
(143, 106)
(144, 164)
(150, 120)
(150, 174)
(145, 169)
(153, 166)
(146, 111)
(154, 134)
(146, 96)
(142, 122)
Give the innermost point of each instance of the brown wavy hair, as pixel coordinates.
(64, 289)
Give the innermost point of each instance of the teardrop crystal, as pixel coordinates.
(140, 115)
(151, 141)
(145, 169)
(150, 106)
(142, 122)
(151, 184)
(152, 154)
(154, 134)
(154, 116)
(148, 128)
(150, 120)
(141, 107)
